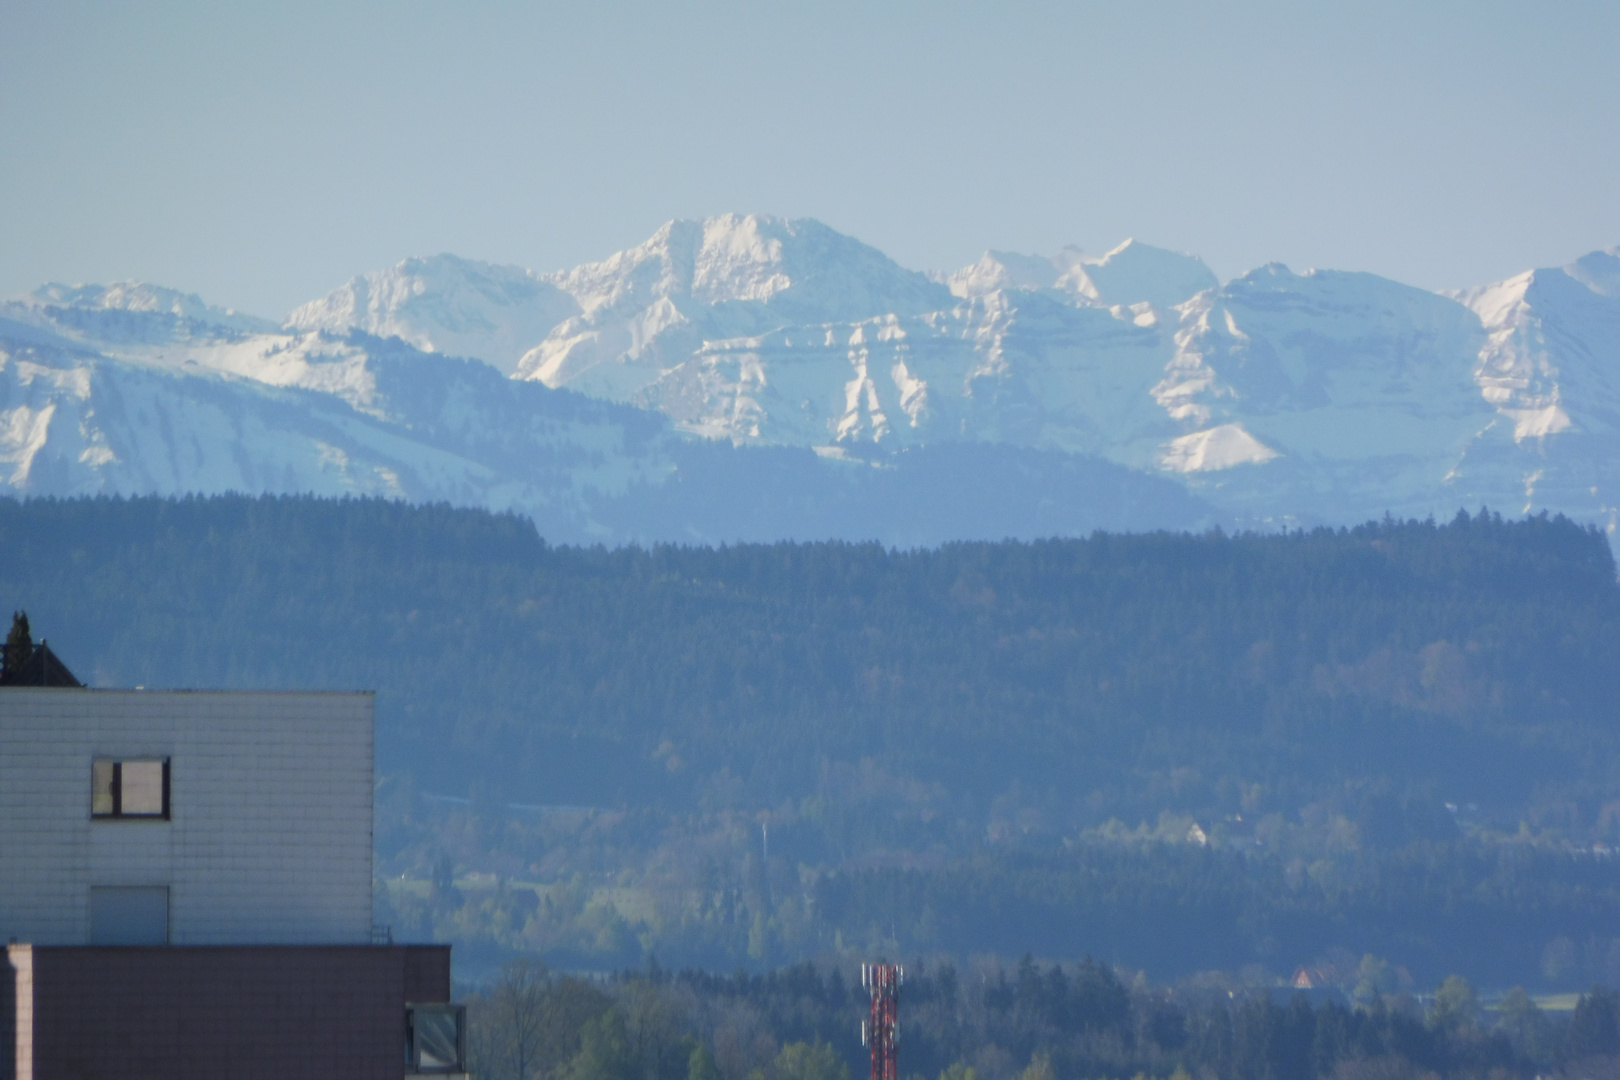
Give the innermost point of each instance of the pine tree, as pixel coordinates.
(19, 648)
(1594, 1030)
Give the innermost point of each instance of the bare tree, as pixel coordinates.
(527, 1025)
(507, 1025)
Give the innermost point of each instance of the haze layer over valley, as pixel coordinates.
(756, 378)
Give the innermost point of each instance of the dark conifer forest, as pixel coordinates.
(1382, 755)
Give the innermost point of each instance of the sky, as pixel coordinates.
(262, 154)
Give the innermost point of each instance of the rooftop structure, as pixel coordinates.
(22, 663)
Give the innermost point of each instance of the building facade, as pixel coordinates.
(241, 818)
(185, 887)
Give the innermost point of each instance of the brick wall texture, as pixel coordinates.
(243, 1013)
(269, 839)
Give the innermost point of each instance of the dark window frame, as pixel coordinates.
(117, 789)
(413, 1049)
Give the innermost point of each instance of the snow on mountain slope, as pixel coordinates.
(766, 330)
(1550, 366)
(1278, 397)
(1034, 372)
(1322, 393)
(999, 270)
(647, 309)
(99, 306)
(610, 328)
(780, 332)
(1554, 342)
(159, 337)
(1136, 273)
(188, 410)
(1329, 364)
(1598, 271)
(448, 305)
(1132, 273)
(77, 423)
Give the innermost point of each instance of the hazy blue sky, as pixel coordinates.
(261, 154)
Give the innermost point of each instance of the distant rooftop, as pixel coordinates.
(26, 664)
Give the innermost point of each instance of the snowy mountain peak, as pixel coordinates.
(141, 298)
(740, 258)
(647, 309)
(1135, 272)
(998, 270)
(1598, 271)
(755, 258)
(1280, 396)
(1132, 273)
(1552, 336)
(730, 257)
(445, 304)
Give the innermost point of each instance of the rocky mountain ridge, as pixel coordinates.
(1275, 398)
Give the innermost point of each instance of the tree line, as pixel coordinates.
(1164, 749)
(1080, 1021)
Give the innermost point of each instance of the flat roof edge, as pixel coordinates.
(177, 690)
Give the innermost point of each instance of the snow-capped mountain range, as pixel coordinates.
(751, 377)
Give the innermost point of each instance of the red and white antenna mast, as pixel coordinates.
(882, 1032)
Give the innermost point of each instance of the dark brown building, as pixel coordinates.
(215, 1011)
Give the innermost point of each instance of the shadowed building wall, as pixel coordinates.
(276, 1012)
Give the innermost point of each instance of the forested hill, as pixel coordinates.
(1315, 696)
(1476, 658)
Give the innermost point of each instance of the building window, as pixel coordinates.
(130, 788)
(436, 1038)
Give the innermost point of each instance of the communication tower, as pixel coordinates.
(882, 1031)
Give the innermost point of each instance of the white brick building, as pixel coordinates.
(185, 817)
